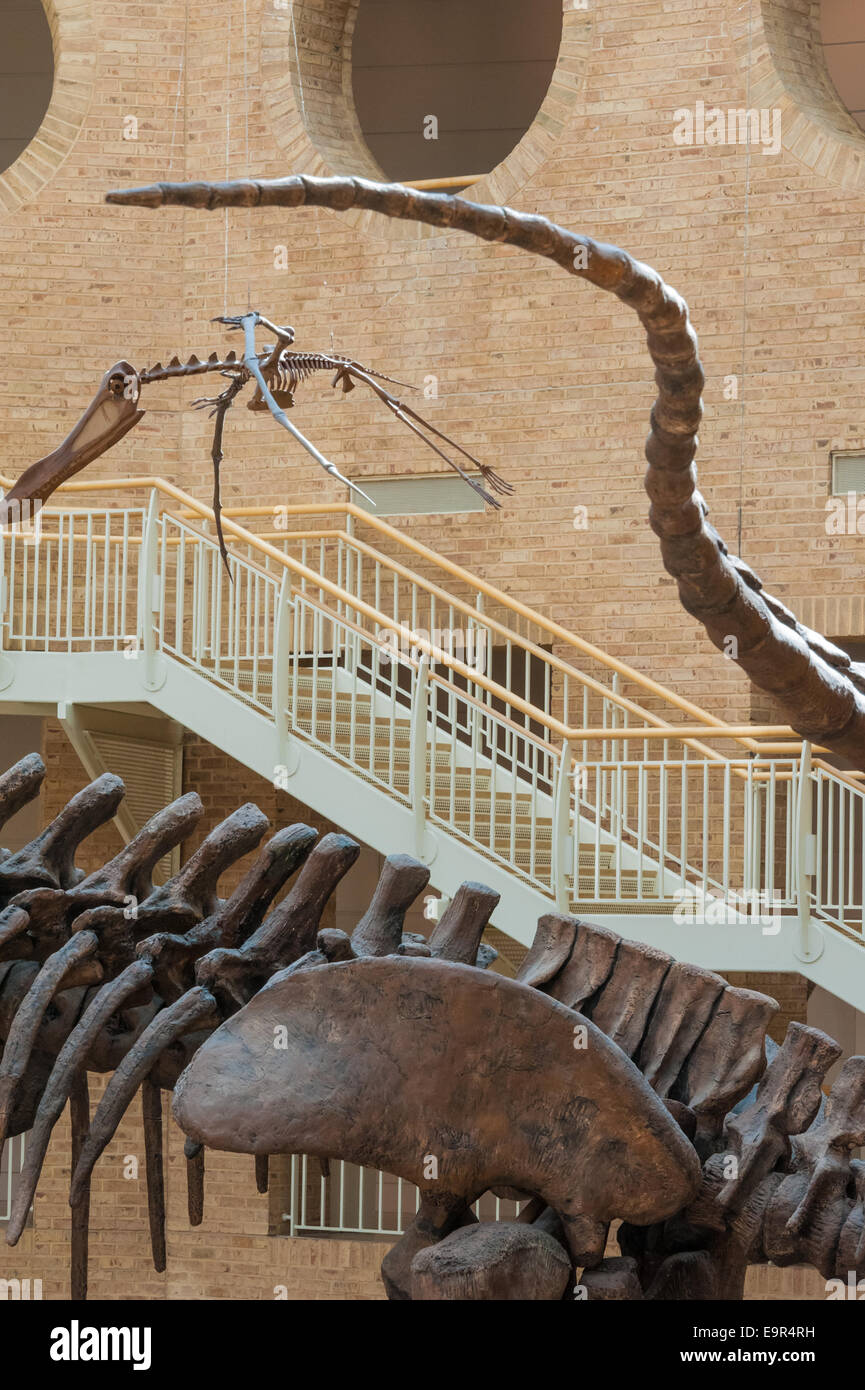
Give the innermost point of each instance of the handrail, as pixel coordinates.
(319, 581)
(640, 735)
(449, 566)
(454, 181)
(603, 734)
(465, 697)
(708, 725)
(838, 774)
(500, 692)
(460, 605)
(490, 591)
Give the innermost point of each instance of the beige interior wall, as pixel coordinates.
(843, 31)
(26, 74)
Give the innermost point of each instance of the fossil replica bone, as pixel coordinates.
(640, 1127)
(821, 692)
(510, 1100)
(600, 1084)
(277, 372)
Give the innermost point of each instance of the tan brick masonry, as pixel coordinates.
(540, 376)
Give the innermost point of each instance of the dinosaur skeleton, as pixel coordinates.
(607, 1081)
(277, 372)
(667, 1117)
(821, 692)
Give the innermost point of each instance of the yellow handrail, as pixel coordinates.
(499, 596)
(706, 724)
(838, 774)
(456, 571)
(455, 181)
(549, 658)
(600, 734)
(733, 731)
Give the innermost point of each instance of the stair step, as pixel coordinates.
(362, 704)
(583, 905)
(347, 721)
(399, 730)
(523, 832)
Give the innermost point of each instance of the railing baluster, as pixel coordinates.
(495, 745)
(561, 850)
(771, 794)
(725, 872)
(418, 752)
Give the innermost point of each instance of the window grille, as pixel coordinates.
(340, 1199)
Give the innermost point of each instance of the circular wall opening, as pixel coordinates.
(26, 75)
(842, 26)
(444, 88)
(507, 79)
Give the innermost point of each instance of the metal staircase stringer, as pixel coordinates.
(388, 824)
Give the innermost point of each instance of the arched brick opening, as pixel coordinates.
(842, 27)
(781, 52)
(444, 89)
(307, 91)
(71, 25)
(26, 75)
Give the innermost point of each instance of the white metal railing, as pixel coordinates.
(11, 1163)
(340, 1198)
(466, 622)
(74, 588)
(834, 852)
(334, 646)
(679, 822)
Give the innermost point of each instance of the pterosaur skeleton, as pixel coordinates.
(277, 372)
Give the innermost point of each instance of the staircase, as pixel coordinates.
(422, 709)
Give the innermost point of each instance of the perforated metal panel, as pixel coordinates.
(152, 773)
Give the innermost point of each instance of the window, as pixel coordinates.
(447, 87)
(11, 1162)
(848, 472)
(843, 33)
(420, 495)
(26, 75)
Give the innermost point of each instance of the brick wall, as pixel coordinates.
(543, 377)
(791, 992)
